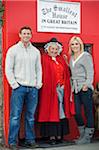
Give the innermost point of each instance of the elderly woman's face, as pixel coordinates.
(53, 50)
(75, 46)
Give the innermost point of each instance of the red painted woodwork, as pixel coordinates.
(19, 13)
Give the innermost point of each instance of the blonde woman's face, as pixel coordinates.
(53, 50)
(75, 46)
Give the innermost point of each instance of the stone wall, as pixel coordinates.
(1, 95)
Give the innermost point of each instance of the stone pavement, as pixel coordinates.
(92, 146)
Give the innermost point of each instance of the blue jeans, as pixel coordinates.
(85, 98)
(29, 95)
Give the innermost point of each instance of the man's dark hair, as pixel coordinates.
(25, 27)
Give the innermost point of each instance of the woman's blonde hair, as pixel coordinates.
(78, 39)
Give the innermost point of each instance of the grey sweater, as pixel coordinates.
(82, 72)
(23, 65)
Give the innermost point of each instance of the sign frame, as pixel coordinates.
(58, 16)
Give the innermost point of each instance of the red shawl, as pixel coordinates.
(48, 109)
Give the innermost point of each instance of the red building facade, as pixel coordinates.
(19, 13)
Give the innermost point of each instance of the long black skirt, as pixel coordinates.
(55, 128)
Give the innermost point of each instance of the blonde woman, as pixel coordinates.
(82, 73)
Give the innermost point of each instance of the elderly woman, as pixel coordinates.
(55, 103)
(82, 72)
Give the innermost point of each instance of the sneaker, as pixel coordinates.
(13, 147)
(31, 145)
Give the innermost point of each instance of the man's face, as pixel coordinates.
(25, 35)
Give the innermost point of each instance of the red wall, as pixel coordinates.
(19, 13)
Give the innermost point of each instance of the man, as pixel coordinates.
(24, 74)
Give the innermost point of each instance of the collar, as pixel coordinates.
(54, 59)
(22, 45)
(74, 61)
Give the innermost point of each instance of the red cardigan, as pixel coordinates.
(48, 108)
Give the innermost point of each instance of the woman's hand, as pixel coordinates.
(66, 59)
(84, 88)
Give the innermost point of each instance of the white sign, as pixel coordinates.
(58, 16)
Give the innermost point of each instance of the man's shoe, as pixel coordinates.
(34, 145)
(13, 147)
(31, 145)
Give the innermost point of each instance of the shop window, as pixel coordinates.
(39, 46)
(88, 48)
